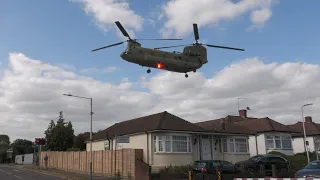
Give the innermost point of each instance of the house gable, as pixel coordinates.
(223, 125)
(312, 128)
(261, 125)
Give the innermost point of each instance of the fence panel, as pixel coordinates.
(102, 161)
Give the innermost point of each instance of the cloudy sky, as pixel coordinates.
(45, 51)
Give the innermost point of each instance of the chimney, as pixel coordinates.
(308, 119)
(222, 125)
(243, 113)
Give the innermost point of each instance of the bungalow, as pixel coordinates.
(266, 134)
(167, 139)
(312, 134)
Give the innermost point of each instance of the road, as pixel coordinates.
(13, 173)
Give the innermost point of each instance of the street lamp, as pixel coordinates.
(91, 113)
(304, 131)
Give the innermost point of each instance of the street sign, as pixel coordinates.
(123, 139)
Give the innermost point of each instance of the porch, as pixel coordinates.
(223, 147)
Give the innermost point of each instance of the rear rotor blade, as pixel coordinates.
(171, 46)
(224, 47)
(124, 32)
(108, 46)
(158, 39)
(196, 32)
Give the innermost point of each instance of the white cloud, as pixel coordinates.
(180, 14)
(106, 12)
(110, 69)
(90, 70)
(31, 95)
(258, 17)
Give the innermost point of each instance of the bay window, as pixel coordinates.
(172, 143)
(235, 145)
(279, 142)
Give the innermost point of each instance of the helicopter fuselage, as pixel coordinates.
(190, 59)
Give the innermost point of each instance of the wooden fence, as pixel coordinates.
(102, 162)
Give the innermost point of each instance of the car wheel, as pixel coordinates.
(283, 170)
(250, 171)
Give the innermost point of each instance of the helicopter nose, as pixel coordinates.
(122, 55)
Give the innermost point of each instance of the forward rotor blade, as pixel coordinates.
(124, 32)
(195, 31)
(224, 47)
(171, 46)
(108, 46)
(158, 39)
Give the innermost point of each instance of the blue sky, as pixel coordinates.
(60, 32)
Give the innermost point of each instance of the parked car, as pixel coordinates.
(211, 166)
(252, 165)
(312, 170)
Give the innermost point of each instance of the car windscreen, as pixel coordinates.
(200, 164)
(255, 158)
(313, 165)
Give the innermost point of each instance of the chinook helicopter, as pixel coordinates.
(192, 58)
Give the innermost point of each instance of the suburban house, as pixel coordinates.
(312, 134)
(266, 134)
(167, 139)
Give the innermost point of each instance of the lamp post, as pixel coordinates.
(304, 131)
(91, 113)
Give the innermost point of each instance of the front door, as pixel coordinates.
(206, 149)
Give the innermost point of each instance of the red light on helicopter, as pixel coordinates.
(159, 66)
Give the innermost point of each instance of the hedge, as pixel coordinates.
(299, 160)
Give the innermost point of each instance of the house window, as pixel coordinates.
(235, 145)
(175, 144)
(279, 142)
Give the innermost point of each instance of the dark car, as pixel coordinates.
(253, 164)
(211, 166)
(311, 170)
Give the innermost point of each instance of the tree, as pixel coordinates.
(4, 146)
(60, 120)
(22, 146)
(59, 135)
(48, 132)
(79, 141)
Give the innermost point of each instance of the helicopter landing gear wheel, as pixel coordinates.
(186, 75)
(195, 70)
(148, 71)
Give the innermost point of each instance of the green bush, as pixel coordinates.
(299, 160)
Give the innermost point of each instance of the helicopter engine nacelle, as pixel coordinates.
(197, 50)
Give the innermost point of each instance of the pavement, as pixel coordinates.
(30, 172)
(8, 172)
